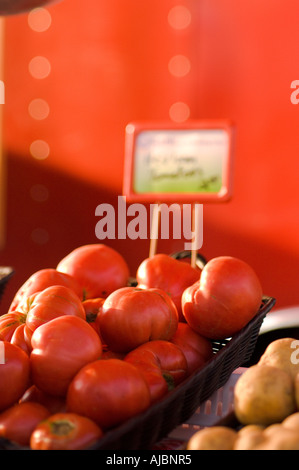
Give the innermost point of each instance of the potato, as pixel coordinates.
(274, 437)
(264, 395)
(281, 353)
(279, 438)
(292, 421)
(213, 438)
(248, 437)
(272, 429)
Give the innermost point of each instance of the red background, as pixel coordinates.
(109, 66)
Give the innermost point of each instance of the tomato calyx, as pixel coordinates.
(169, 380)
(61, 427)
(91, 317)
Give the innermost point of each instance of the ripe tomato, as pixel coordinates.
(166, 273)
(162, 364)
(40, 281)
(65, 431)
(60, 348)
(92, 309)
(98, 268)
(9, 322)
(227, 296)
(54, 404)
(108, 392)
(19, 421)
(147, 365)
(131, 316)
(22, 338)
(50, 303)
(14, 374)
(196, 348)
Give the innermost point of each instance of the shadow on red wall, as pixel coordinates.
(48, 215)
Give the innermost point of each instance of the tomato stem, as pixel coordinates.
(169, 380)
(91, 316)
(61, 428)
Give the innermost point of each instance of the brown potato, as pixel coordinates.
(282, 353)
(251, 428)
(248, 437)
(264, 395)
(272, 429)
(213, 438)
(280, 438)
(292, 421)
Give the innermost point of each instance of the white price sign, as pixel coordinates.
(178, 163)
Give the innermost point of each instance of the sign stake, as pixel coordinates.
(155, 223)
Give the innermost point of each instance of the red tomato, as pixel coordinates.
(227, 296)
(162, 363)
(19, 421)
(9, 322)
(196, 348)
(40, 281)
(149, 368)
(50, 303)
(131, 316)
(166, 273)
(108, 392)
(22, 338)
(98, 268)
(92, 309)
(65, 431)
(14, 374)
(60, 348)
(53, 403)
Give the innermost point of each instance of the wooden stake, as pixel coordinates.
(155, 223)
(195, 230)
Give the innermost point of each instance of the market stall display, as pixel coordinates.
(54, 331)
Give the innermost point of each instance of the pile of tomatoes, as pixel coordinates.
(82, 350)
